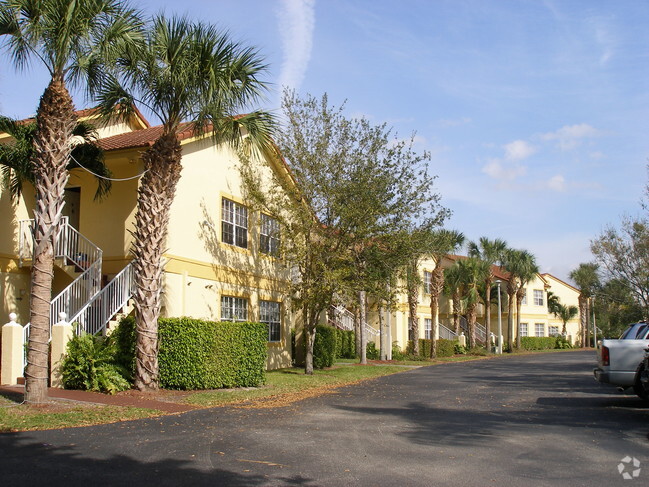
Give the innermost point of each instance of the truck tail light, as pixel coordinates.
(606, 359)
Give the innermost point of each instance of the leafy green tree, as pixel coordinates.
(587, 279)
(491, 252)
(565, 314)
(553, 302)
(191, 76)
(521, 266)
(615, 308)
(353, 184)
(472, 273)
(70, 38)
(453, 289)
(16, 157)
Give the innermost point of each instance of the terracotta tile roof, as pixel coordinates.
(140, 138)
(499, 272)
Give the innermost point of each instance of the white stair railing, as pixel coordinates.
(480, 330)
(98, 311)
(75, 250)
(446, 333)
(342, 318)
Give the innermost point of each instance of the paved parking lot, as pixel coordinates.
(512, 421)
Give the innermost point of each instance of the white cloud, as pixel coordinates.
(296, 25)
(557, 183)
(518, 150)
(570, 136)
(503, 171)
(454, 122)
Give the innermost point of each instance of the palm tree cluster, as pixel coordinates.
(190, 75)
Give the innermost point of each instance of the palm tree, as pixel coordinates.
(443, 242)
(70, 38)
(553, 303)
(452, 288)
(191, 77)
(472, 272)
(521, 266)
(16, 158)
(565, 314)
(491, 252)
(587, 280)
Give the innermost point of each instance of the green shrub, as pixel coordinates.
(397, 353)
(562, 342)
(89, 365)
(324, 347)
(371, 352)
(538, 343)
(197, 354)
(445, 348)
(123, 340)
(459, 349)
(479, 351)
(345, 343)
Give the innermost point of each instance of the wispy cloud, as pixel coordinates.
(518, 150)
(570, 136)
(296, 25)
(504, 171)
(557, 183)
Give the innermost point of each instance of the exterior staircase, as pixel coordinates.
(341, 317)
(480, 330)
(83, 301)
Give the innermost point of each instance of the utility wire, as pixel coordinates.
(106, 178)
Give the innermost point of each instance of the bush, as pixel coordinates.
(445, 348)
(324, 347)
(397, 353)
(538, 343)
(479, 351)
(459, 349)
(345, 343)
(371, 352)
(562, 342)
(123, 341)
(197, 354)
(89, 365)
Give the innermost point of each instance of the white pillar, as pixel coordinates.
(13, 353)
(62, 333)
(462, 339)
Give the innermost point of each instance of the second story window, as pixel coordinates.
(538, 297)
(234, 224)
(427, 280)
(524, 296)
(269, 235)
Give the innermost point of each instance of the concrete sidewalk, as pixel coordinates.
(129, 398)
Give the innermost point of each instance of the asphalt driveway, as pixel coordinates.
(525, 420)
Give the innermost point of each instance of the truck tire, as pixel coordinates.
(641, 386)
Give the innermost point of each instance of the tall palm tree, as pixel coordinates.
(472, 272)
(70, 38)
(521, 266)
(491, 252)
(453, 289)
(587, 280)
(190, 76)
(553, 302)
(16, 157)
(443, 242)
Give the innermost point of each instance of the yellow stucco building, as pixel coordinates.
(219, 253)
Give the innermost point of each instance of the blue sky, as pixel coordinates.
(535, 112)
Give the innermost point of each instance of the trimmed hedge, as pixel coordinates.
(197, 354)
(345, 343)
(324, 347)
(445, 348)
(538, 343)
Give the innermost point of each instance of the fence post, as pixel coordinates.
(12, 352)
(61, 334)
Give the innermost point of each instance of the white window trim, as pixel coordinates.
(274, 322)
(234, 216)
(236, 308)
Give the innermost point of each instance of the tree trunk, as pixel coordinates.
(357, 332)
(413, 295)
(362, 306)
(457, 311)
(155, 196)
(519, 302)
(510, 320)
(583, 319)
(309, 341)
(383, 351)
(471, 317)
(56, 120)
(436, 288)
(488, 313)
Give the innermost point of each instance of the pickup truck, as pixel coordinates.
(620, 362)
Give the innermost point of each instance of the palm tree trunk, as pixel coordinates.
(471, 319)
(155, 196)
(457, 310)
(519, 302)
(436, 288)
(413, 294)
(583, 319)
(488, 313)
(510, 321)
(56, 120)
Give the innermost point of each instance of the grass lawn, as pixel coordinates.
(15, 416)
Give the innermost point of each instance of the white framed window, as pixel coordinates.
(538, 297)
(523, 330)
(553, 330)
(428, 328)
(269, 235)
(427, 281)
(269, 313)
(234, 223)
(524, 296)
(234, 309)
(539, 329)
